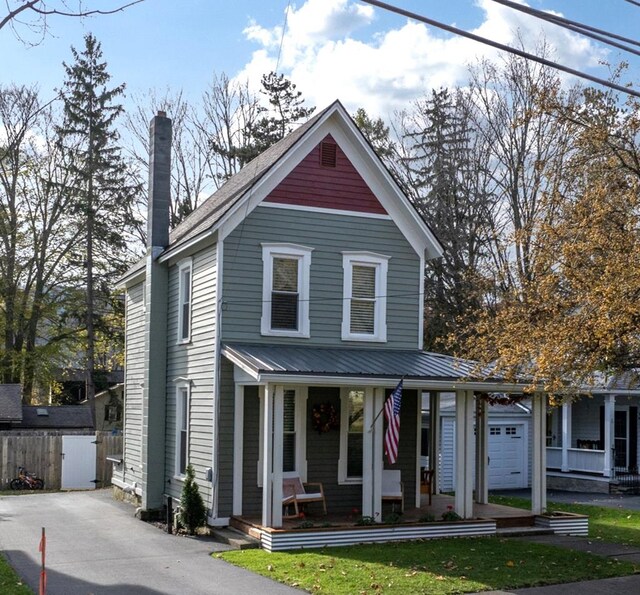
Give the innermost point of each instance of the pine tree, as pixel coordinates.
(285, 110)
(445, 172)
(101, 191)
(193, 513)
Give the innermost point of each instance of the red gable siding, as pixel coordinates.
(313, 185)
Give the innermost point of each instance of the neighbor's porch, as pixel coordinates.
(594, 439)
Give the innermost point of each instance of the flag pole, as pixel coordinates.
(375, 419)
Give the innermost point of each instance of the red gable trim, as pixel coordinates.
(311, 184)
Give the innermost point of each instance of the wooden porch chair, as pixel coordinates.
(426, 482)
(297, 493)
(392, 487)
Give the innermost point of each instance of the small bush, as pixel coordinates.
(393, 519)
(193, 513)
(305, 525)
(427, 518)
(451, 515)
(365, 521)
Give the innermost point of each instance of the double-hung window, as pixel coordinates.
(364, 314)
(285, 290)
(184, 301)
(294, 433)
(182, 428)
(351, 436)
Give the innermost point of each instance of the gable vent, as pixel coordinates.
(328, 154)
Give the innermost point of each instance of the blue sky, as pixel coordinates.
(331, 48)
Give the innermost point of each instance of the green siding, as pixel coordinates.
(329, 235)
(323, 452)
(225, 439)
(196, 362)
(251, 493)
(134, 376)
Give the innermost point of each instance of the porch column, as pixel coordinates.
(539, 479)
(272, 464)
(482, 452)
(434, 439)
(609, 417)
(464, 453)
(368, 441)
(378, 454)
(567, 438)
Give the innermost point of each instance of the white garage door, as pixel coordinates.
(507, 447)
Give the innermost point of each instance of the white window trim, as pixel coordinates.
(343, 478)
(302, 395)
(184, 265)
(381, 264)
(303, 254)
(182, 384)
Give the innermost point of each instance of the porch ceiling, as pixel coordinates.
(423, 369)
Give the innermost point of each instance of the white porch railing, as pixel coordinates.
(579, 459)
(554, 457)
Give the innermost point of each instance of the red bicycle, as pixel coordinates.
(26, 481)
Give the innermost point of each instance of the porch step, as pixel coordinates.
(515, 522)
(245, 528)
(234, 538)
(522, 531)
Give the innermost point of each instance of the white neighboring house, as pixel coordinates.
(510, 444)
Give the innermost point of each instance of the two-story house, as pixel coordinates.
(264, 333)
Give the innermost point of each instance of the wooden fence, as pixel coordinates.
(42, 455)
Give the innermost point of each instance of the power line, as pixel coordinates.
(586, 30)
(633, 2)
(503, 47)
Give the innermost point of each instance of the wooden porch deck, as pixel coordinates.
(504, 516)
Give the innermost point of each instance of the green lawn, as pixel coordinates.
(439, 566)
(617, 525)
(10, 583)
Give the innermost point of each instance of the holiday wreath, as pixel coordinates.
(324, 417)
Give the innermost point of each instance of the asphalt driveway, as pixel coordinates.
(96, 545)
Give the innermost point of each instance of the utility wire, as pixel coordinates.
(586, 30)
(503, 47)
(633, 2)
(284, 30)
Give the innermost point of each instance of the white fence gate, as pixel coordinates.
(78, 462)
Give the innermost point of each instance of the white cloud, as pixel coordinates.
(326, 53)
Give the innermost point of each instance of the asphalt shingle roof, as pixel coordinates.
(61, 416)
(10, 402)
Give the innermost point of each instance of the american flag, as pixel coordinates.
(392, 413)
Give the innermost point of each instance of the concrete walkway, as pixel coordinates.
(95, 545)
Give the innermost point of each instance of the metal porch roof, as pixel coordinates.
(353, 362)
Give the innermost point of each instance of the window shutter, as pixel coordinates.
(363, 295)
(285, 294)
(289, 431)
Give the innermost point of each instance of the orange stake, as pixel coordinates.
(43, 572)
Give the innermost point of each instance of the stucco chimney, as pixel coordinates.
(159, 181)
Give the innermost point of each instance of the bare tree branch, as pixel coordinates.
(43, 9)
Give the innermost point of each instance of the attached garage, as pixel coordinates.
(509, 446)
